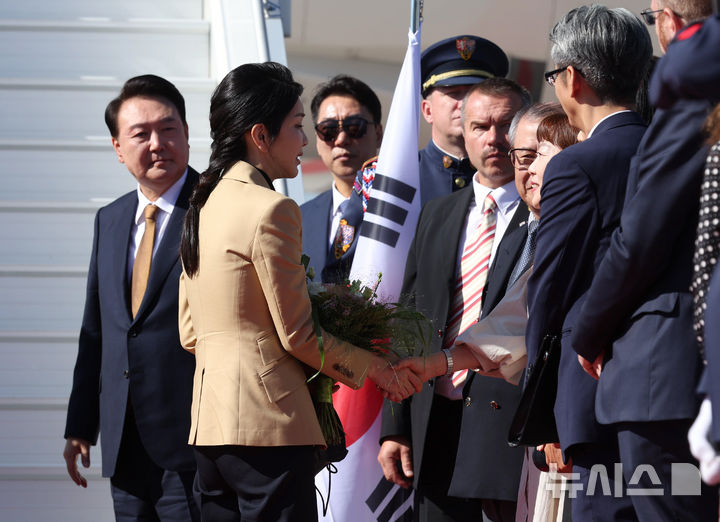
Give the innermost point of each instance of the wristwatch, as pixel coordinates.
(450, 362)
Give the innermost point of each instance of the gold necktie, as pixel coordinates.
(141, 268)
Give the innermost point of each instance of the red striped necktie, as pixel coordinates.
(474, 264)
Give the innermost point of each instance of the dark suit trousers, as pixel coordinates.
(594, 470)
(143, 491)
(432, 503)
(254, 484)
(660, 445)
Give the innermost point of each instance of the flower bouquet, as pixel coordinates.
(352, 312)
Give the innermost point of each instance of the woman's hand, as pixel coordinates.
(425, 368)
(553, 457)
(396, 383)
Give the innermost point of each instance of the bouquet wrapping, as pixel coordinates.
(353, 313)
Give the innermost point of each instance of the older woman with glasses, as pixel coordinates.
(554, 134)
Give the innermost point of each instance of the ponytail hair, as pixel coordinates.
(254, 93)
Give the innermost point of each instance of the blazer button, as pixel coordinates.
(468, 401)
(494, 405)
(133, 332)
(126, 374)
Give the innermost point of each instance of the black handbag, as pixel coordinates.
(534, 420)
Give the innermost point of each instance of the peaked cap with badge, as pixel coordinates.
(459, 60)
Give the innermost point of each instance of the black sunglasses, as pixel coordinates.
(354, 126)
(649, 15)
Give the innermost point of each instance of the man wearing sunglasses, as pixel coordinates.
(448, 69)
(669, 16)
(346, 114)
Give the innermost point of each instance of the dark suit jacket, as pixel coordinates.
(582, 197)
(691, 67)
(430, 279)
(710, 384)
(316, 215)
(639, 308)
(691, 71)
(141, 360)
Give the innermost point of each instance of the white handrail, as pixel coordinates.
(240, 32)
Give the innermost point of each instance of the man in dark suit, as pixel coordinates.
(524, 142)
(347, 116)
(635, 329)
(692, 71)
(133, 380)
(449, 440)
(600, 58)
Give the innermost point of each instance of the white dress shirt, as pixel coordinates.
(507, 199)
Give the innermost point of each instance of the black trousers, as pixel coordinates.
(594, 498)
(143, 491)
(256, 484)
(656, 456)
(432, 503)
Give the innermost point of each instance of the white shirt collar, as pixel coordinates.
(532, 221)
(603, 119)
(338, 199)
(506, 196)
(166, 202)
(448, 154)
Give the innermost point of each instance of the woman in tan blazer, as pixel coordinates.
(244, 311)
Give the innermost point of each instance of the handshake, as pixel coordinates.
(399, 380)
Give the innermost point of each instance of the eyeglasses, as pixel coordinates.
(649, 15)
(354, 126)
(522, 158)
(550, 76)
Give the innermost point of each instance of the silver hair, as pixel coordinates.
(610, 48)
(535, 112)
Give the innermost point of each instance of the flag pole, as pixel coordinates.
(360, 492)
(416, 7)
